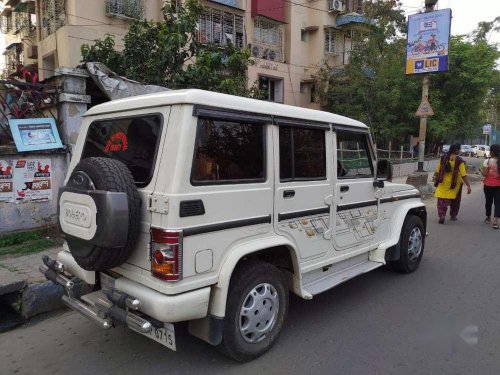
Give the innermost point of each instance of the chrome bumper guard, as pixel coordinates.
(103, 307)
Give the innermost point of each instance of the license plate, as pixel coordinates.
(164, 335)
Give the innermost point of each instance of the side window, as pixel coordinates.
(302, 154)
(228, 152)
(353, 156)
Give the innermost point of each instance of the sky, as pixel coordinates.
(466, 15)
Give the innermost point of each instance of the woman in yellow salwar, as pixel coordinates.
(450, 173)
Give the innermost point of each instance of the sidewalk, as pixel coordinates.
(24, 290)
(26, 267)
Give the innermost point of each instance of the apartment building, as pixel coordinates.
(289, 39)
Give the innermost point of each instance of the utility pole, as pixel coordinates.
(429, 7)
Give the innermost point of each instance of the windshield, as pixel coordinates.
(131, 140)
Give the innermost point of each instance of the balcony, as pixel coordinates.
(268, 40)
(125, 9)
(52, 16)
(13, 58)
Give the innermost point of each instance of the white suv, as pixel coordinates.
(209, 208)
(483, 151)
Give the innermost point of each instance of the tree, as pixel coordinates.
(104, 51)
(373, 87)
(167, 53)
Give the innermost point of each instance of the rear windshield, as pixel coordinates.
(131, 140)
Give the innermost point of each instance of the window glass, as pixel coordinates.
(228, 152)
(132, 140)
(302, 154)
(353, 156)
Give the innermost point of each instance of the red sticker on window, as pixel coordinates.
(117, 142)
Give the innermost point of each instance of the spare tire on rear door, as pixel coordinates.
(99, 212)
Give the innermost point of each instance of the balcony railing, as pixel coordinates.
(52, 17)
(125, 9)
(268, 41)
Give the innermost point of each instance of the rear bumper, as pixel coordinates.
(176, 308)
(164, 308)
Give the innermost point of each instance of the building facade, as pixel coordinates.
(289, 40)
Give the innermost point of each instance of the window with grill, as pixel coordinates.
(267, 39)
(330, 37)
(127, 9)
(52, 16)
(354, 6)
(219, 27)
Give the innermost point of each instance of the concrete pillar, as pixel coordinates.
(73, 102)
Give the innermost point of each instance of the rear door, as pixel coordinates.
(304, 187)
(134, 139)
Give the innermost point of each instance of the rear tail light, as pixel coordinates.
(166, 254)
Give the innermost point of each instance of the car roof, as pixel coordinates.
(208, 98)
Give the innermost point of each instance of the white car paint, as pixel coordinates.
(339, 225)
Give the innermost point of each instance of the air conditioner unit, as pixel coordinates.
(336, 6)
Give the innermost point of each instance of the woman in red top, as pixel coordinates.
(491, 173)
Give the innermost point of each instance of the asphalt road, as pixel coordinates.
(442, 319)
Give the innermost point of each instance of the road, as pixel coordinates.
(442, 319)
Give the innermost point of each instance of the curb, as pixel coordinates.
(41, 298)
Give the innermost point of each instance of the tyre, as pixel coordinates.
(411, 244)
(256, 309)
(108, 175)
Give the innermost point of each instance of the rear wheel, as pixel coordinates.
(411, 244)
(256, 309)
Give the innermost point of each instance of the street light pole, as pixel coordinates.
(429, 7)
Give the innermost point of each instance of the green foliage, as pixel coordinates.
(26, 242)
(168, 54)
(103, 51)
(374, 88)
(458, 96)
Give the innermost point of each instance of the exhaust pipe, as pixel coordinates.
(57, 278)
(87, 311)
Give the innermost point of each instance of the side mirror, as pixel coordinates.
(384, 170)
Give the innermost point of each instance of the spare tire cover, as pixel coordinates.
(110, 175)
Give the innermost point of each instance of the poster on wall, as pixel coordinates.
(35, 134)
(428, 42)
(6, 181)
(32, 180)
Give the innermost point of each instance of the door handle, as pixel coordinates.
(344, 188)
(289, 194)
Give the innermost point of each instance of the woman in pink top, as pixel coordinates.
(491, 173)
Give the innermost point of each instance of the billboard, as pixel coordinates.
(428, 42)
(34, 134)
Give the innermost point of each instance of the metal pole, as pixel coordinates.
(429, 7)
(423, 126)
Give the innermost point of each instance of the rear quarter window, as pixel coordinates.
(131, 140)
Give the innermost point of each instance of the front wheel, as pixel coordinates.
(257, 306)
(411, 244)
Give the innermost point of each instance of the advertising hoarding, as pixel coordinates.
(428, 41)
(33, 134)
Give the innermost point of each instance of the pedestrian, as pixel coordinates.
(491, 173)
(415, 149)
(448, 178)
